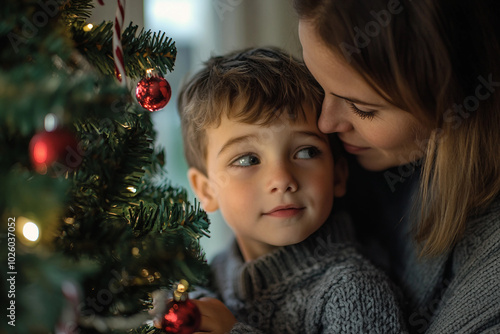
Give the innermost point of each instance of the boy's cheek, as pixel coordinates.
(219, 181)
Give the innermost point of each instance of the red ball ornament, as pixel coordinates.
(182, 315)
(48, 147)
(153, 93)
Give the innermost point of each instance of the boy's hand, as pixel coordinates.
(215, 316)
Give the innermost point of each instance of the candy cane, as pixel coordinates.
(117, 43)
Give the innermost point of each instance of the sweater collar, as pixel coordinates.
(291, 262)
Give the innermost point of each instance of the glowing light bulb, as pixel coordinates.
(31, 231)
(88, 27)
(132, 189)
(50, 122)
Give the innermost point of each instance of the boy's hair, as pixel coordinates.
(253, 86)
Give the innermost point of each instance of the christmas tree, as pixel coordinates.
(90, 228)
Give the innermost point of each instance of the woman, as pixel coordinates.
(412, 88)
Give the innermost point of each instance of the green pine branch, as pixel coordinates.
(141, 51)
(113, 161)
(151, 229)
(76, 11)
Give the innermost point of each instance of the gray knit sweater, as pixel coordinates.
(459, 292)
(321, 285)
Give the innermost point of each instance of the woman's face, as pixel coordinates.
(379, 134)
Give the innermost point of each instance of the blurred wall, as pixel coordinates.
(200, 29)
(251, 23)
(134, 12)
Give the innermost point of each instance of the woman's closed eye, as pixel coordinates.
(246, 160)
(363, 114)
(309, 152)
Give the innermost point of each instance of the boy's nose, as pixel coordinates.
(281, 179)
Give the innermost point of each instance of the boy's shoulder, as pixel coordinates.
(228, 255)
(226, 264)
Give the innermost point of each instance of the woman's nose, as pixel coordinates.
(334, 116)
(281, 179)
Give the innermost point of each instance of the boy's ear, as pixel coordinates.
(203, 190)
(341, 173)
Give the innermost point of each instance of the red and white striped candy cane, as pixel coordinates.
(117, 43)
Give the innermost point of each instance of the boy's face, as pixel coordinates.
(274, 185)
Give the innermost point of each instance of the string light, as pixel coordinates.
(50, 122)
(135, 252)
(132, 189)
(88, 27)
(31, 231)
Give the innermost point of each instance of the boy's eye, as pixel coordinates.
(308, 153)
(246, 160)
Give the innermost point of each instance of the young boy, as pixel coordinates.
(249, 123)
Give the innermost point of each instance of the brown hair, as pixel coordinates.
(438, 60)
(265, 81)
